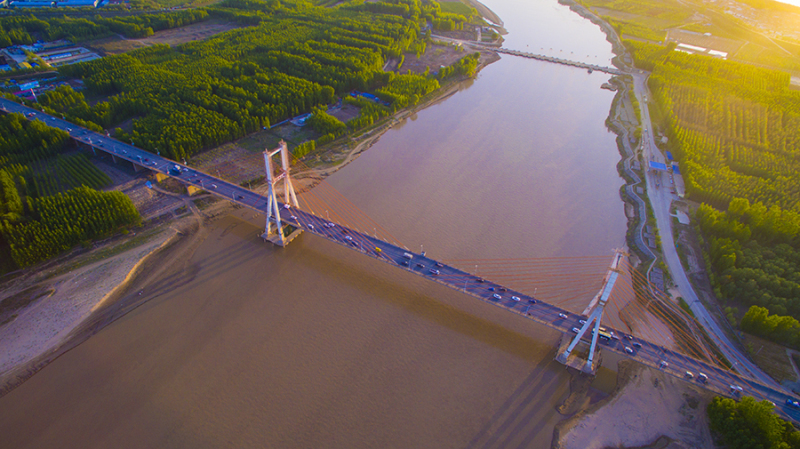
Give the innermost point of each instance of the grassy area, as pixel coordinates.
(770, 357)
(259, 141)
(456, 7)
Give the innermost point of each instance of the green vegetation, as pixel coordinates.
(292, 57)
(26, 28)
(202, 94)
(456, 7)
(750, 424)
(324, 123)
(759, 322)
(642, 19)
(47, 200)
(735, 129)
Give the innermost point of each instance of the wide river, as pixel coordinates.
(315, 346)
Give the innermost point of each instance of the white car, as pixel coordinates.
(628, 350)
(496, 296)
(562, 315)
(515, 298)
(663, 364)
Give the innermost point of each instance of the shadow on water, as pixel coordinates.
(523, 415)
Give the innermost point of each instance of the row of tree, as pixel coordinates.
(47, 203)
(750, 424)
(27, 28)
(735, 129)
(202, 94)
(58, 223)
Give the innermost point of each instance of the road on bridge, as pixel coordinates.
(626, 345)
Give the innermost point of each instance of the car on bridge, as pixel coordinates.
(563, 315)
(496, 296)
(434, 271)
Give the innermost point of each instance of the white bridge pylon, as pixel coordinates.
(595, 309)
(273, 210)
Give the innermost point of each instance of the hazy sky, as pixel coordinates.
(791, 2)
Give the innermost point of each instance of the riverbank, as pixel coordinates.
(628, 418)
(68, 308)
(339, 155)
(58, 310)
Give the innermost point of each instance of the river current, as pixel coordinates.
(314, 345)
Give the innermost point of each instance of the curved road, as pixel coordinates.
(661, 198)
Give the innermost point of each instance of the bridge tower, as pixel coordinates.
(275, 229)
(595, 313)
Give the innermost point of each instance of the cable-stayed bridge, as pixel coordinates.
(286, 219)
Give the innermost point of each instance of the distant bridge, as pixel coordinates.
(281, 229)
(582, 65)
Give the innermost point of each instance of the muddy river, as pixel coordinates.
(314, 345)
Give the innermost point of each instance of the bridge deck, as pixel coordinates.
(526, 306)
(553, 59)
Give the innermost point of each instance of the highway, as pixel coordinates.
(659, 192)
(519, 303)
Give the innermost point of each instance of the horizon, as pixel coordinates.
(790, 2)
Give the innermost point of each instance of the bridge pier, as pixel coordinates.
(276, 231)
(595, 312)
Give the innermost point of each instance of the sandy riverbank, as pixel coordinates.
(647, 409)
(53, 322)
(71, 299)
(42, 327)
(80, 302)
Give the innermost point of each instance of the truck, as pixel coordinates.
(175, 170)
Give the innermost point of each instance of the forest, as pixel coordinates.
(735, 129)
(749, 424)
(291, 58)
(294, 58)
(26, 28)
(48, 201)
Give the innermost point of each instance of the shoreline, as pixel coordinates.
(103, 291)
(123, 297)
(622, 420)
(55, 331)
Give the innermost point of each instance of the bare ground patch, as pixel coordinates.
(345, 113)
(231, 163)
(434, 58)
(647, 407)
(194, 32)
(197, 31)
(771, 357)
(114, 45)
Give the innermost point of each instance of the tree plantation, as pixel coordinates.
(295, 57)
(47, 200)
(291, 57)
(735, 129)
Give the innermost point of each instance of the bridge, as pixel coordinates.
(285, 220)
(582, 65)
